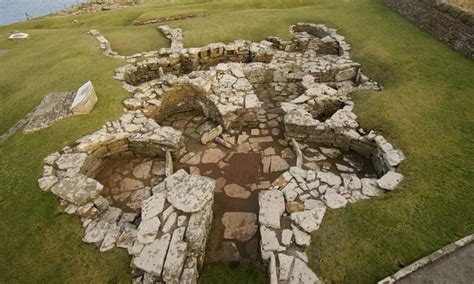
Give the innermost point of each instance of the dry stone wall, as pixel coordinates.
(307, 82)
(450, 23)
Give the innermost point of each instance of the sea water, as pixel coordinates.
(12, 11)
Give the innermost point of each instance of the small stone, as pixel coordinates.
(272, 270)
(212, 156)
(223, 142)
(194, 170)
(152, 257)
(369, 187)
(143, 170)
(175, 258)
(244, 148)
(269, 151)
(128, 218)
(301, 273)
(309, 220)
(169, 223)
(147, 230)
(311, 204)
(211, 135)
(95, 231)
(78, 189)
(136, 248)
(242, 138)
(240, 226)
(127, 238)
(153, 206)
(329, 178)
(272, 206)
(189, 193)
(286, 262)
(344, 169)
(269, 240)
(322, 188)
(236, 191)
(74, 160)
(71, 209)
(330, 152)
(390, 180)
(182, 220)
(335, 200)
(168, 164)
(286, 237)
(294, 206)
(278, 164)
(264, 139)
(301, 238)
(45, 183)
(110, 238)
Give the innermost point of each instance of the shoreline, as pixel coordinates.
(17, 12)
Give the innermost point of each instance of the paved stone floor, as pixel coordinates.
(255, 157)
(457, 267)
(128, 181)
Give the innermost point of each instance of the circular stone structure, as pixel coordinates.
(270, 121)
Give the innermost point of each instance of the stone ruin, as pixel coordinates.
(93, 6)
(226, 152)
(170, 18)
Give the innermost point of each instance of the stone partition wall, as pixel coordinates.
(180, 61)
(448, 22)
(167, 240)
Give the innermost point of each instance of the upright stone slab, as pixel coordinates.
(85, 99)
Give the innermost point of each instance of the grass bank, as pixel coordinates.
(425, 110)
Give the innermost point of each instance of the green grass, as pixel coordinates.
(425, 109)
(242, 273)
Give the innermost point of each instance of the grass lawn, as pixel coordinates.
(426, 109)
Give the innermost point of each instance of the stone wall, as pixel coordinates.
(305, 83)
(448, 22)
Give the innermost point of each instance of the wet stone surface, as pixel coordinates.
(128, 180)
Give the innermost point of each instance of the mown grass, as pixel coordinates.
(425, 109)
